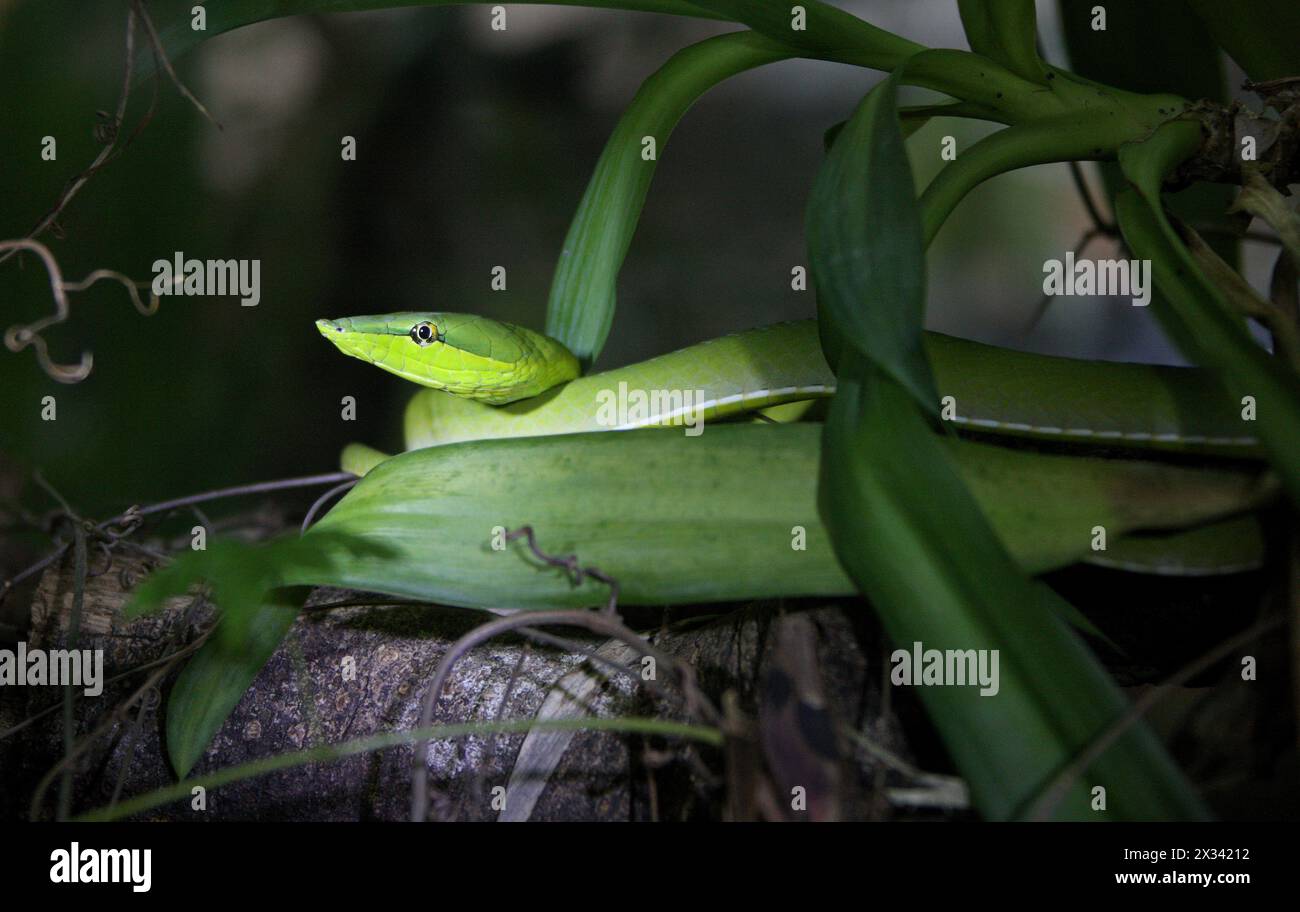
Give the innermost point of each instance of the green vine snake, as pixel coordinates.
(509, 381)
(489, 380)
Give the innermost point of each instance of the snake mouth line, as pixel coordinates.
(364, 345)
(350, 343)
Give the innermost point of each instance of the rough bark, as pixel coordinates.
(349, 672)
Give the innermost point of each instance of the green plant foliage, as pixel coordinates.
(245, 581)
(944, 580)
(1154, 46)
(936, 533)
(1005, 31)
(581, 307)
(854, 261)
(698, 533)
(221, 672)
(826, 31)
(702, 537)
(1193, 310)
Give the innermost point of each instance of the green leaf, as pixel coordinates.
(581, 307)
(913, 538)
(1005, 31)
(700, 533)
(1192, 310)
(1044, 507)
(216, 679)
(421, 525)
(245, 582)
(945, 582)
(238, 574)
(871, 303)
(1260, 35)
(696, 533)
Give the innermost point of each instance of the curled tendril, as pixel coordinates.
(19, 337)
(569, 563)
(108, 131)
(132, 287)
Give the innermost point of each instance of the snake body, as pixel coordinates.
(494, 381)
(508, 381)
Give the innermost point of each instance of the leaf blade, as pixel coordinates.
(944, 581)
(854, 263)
(220, 673)
(580, 310)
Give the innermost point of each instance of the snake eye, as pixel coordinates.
(424, 333)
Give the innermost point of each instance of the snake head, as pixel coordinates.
(396, 342)
(464, 354)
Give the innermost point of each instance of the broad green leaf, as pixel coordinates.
(913, 538)
(1194, 312)
(581, 307)
(1005, 31)
(700, 532)
(1044, 507)
(855, 260)
(675, 519)
(422, 526)
(1260, 35)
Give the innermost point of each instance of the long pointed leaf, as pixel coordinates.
(854, 253)
(581, 307)
(216, 679)
(907, 530)
(699, 534)
(909, 533)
